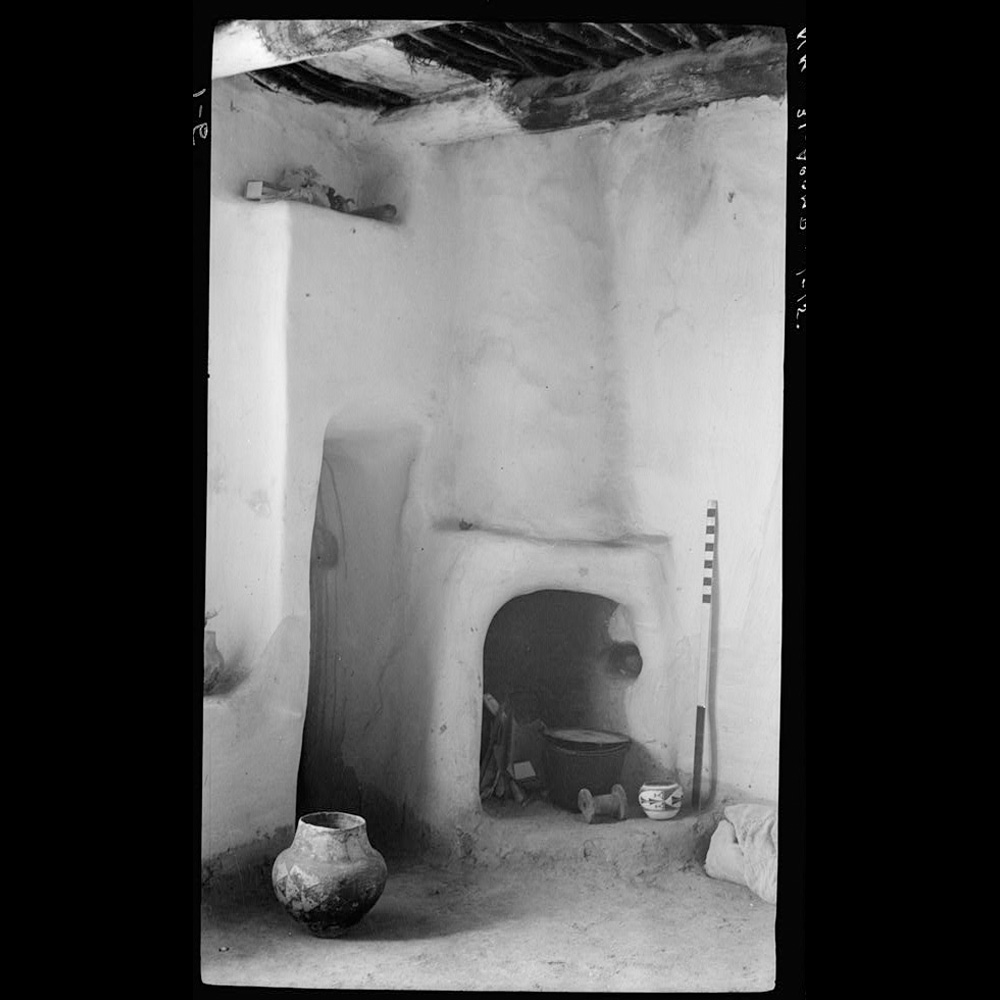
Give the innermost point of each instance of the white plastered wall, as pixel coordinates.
(584, 333)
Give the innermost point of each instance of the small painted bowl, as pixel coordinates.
(661, 799)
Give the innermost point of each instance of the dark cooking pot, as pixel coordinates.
(582, 758)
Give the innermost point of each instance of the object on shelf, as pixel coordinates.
(304, 184)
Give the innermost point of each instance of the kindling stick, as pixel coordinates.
(707, 579)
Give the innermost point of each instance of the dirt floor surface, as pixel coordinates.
(535, 923)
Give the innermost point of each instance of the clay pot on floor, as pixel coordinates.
(330, 876)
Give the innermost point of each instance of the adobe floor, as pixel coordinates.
(544, 902)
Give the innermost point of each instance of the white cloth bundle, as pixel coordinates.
(744, 849)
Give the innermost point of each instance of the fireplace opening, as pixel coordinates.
(552, 660)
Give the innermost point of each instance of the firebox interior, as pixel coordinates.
(557, 659)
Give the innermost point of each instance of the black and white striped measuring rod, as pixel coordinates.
(701, 711)
(709, 569)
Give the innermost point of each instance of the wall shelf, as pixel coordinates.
(262, 191)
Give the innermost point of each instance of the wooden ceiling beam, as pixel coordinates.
(554, 53)
(241, 46)
(308, 83)
(719, 31)
(448, 54)
(744, 67)
(549, 63)
(517, 49)
(558, 42)
(682, 32)
(462, 36)
(654, 37)
(626, 39)
(748, 66)
(582, 35)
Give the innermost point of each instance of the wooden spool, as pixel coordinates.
(612, 805)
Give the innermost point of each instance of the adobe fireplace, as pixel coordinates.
(421, 746)
(414, 622)
(540, 617)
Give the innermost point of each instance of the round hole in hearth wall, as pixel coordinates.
(624, 659)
